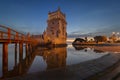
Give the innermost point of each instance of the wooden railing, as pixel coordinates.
(7, 33)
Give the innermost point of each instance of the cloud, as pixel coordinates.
(107, 31)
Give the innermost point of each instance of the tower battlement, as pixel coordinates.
(56, 28)
(56, 15)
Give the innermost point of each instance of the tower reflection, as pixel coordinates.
(54, 57)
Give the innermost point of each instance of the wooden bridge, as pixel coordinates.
(8, 35)
(11, 36)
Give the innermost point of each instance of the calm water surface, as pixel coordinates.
(45, 59)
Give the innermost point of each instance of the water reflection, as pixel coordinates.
(45, 59)
(79, 47)
(54, 57)
(18, 69)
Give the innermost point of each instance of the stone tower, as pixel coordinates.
(56, 28)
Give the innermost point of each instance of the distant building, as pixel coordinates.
(113, 37)
(56, 28)
(39, 38)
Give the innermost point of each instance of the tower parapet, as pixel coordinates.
(56, 27)
(56, 15)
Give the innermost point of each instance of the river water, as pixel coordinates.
(43, 59)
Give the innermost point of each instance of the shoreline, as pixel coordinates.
(113, 49)
(102, 47)
(97, 44)
(79, 71)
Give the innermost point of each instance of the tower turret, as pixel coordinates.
(56, 27)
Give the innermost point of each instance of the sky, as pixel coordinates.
(84, 17)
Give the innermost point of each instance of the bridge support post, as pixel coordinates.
(27, 50)
(20, 52)
(33, 48)
(20, 68)
(15, 54)
(30, 48)
(5, 58)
